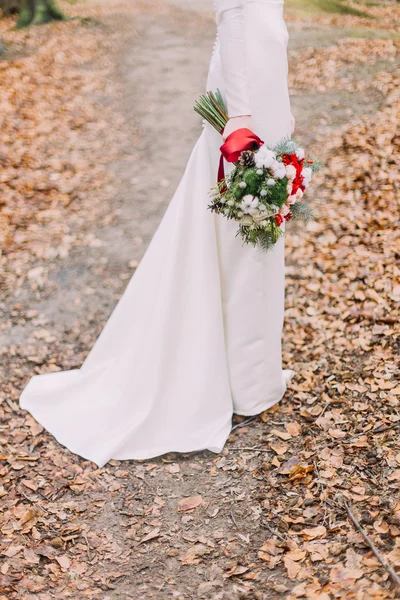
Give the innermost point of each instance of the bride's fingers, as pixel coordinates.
(237, 123)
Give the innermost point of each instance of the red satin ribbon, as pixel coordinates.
(236, 143)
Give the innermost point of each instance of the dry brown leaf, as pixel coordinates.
(152, 535)
(311, 533)
(293, 428)
(283, 435)
(280, 448)
(292, 567)
(189, 504)
(63, 561)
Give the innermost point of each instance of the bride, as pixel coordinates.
(196, 336)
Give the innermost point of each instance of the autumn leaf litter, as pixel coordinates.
(267, 518)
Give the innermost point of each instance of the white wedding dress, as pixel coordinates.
(197, 334)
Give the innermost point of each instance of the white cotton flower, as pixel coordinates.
(243, 185)
(307, 175)
(285, 210)
(263, 193)
(299, 194)
(279, 170)
(271, 182)
(290, 172)
(300, 153)
(259, 171)
(249, 204)
(264, 158)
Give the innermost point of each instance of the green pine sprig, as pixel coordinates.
(316, 164)
(302, 211)
(211, 107)
(286, 146)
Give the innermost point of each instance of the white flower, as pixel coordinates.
(271, 182)
(249, 204)
(264, 158)
(243, 185)
(285, 210)
(264, 192)
(259, 171)
(307, 175)
(279, 170)
(299, 194)
(300, 153)
(289, 188)
(240, 214)
(230, 203)
(262, 207)
(274, 207)
(290, 172)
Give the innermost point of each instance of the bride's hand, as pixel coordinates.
(235, 123)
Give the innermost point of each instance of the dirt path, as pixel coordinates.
(161, 68)
(132, 539)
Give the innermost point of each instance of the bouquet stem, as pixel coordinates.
(211, 107)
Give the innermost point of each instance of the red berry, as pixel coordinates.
(279, 219)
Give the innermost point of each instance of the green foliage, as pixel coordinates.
(316, 165)
(253, 182)
(330, 6)
(302, 211)
(278, 194)
(38, 12)
(211, 107)
(266, 238)
(286, 146)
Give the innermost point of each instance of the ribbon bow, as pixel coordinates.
(236, 143)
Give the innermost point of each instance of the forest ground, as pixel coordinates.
(96, 131)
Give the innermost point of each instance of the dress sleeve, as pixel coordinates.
(230, 25)
(253, 47)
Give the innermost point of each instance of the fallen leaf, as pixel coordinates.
(63, 561)
(188, 504)
(312, 533)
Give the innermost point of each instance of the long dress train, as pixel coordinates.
(197, 334)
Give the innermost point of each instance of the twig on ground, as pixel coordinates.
(322, 485)
(371, 544)
(245, 422)
(34, 503)
(278, 535)
(380, 429)
(89, 547)
(248, 449)
(234, 520)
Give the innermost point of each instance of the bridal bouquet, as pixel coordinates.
(266, 186)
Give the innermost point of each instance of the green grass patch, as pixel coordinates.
(328, 6)
(373, 34)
